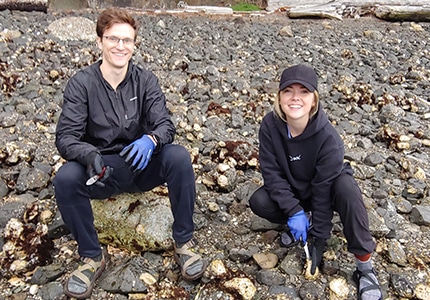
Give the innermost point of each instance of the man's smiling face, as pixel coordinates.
(117, 45)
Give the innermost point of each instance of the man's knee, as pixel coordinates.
(178, 153)
(177, 156)
(68, 174)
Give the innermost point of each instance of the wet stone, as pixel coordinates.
(270, 277)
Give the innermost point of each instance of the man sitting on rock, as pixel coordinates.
(116, 134)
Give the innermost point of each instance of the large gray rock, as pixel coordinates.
(73, 28)
(421, 215)
(134, 221)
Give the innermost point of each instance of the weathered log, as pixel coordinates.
(356, 3)
(403, 13)
(360, 3)
(24, 5)
(327, 10)
(217, 10)
(337, 9)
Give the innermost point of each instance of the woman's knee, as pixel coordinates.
(346, 195)
(344, 187)
(258, 200)
(262, 205)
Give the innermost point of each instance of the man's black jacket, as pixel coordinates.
(95, 117)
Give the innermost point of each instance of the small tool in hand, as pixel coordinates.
(308, 255)
(96, 177)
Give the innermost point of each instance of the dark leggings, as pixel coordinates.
(172, 165)
(346, 200)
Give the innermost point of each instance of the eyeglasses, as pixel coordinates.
(116, 40)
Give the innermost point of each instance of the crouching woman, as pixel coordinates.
(302, 163)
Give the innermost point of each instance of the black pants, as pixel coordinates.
(172, 166)
(346, 200)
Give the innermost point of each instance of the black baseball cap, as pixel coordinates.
(302, 74)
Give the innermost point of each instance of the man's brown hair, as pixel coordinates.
(112, 16)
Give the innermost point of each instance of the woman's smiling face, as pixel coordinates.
(117, 45)
(296, 102)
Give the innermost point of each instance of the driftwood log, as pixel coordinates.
(403, 13)
(24, 5)
(339, 10)
(326, 10)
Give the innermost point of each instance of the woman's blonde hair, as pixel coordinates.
(281, 114)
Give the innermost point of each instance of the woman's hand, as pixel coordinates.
(317, 250)
(299, 226)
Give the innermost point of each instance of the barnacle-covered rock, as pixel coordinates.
(422, 291)
(338, 289)
(224, 281)
(243, 286)
(307, 269)
(27, 246)
(241, 151)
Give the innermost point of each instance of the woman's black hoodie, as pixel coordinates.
(298, 172)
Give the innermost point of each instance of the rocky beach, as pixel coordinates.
(220, 76)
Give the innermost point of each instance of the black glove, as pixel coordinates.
(317, 250)
(95, 166)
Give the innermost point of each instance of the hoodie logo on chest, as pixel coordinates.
(294, 158)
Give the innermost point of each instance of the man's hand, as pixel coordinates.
(95, 166)
(317, 250)
(138, 153)
(299, 226)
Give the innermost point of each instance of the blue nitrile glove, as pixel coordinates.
(299, 225)
(138, 153)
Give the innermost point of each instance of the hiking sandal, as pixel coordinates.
(357, 275)
(188, 259)
(87, 272)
